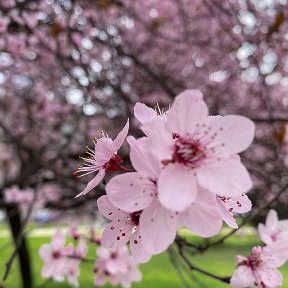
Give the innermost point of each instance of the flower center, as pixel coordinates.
(114, 163)
(135, 217)
(188, 152)
(56, 254)
(254, 261)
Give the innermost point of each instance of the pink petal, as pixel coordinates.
(177, 187)
(242, 277)
(47, 270)
(160, 139)
(130, 192)
(58, 240)
(157, 228)
(45, 252)
(144, 113)
(202, 217)
(224, 177)
(264, 234)
(138, 250)
(143, 160)
(108, 210)
(270, 277)
(276, 253)
(93, 183)
(237, 132)
(119, 140)
(188, 109)
(116, 235)
(240, 204)
(104, 150)
(131, 140)
(272, 220)
(226, 215)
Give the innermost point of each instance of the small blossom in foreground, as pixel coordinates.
(116, 267)
(198, 150)
(103, 159)
(274, 229)
(260, 268)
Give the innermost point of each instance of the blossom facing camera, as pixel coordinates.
(197, 150)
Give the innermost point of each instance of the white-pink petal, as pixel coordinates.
(119, 140)
(116, 235)
(202, 217)
(144, 113)
(225, 177)
(130, 192)
(138, 250)
(236, 132)
(93, 183)
(188, 109)
(157, 228)
(108, 210)
(143, 160)
(104, 150)
(177, 187)
(242, 277)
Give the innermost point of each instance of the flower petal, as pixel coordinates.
(119, 140)
(58, 240)
(108, 210)
(130, 192)
(226, 215)
(177, 187)
(224, 177)
(270, 277)
(138, 250)
(104, 150)
(116, 235)
(144, 113)
(202, 217)
(240, 204)
(157, 227)
(93, 183)
(242, 277)
(272, 220)
(236, 132)
(143, 160)
(188, 109)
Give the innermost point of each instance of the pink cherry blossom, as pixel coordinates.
(115, 266)
(274, 229)
(229, 206)
(260, 268)
(54, 257)
(103, 159)
(196, 149)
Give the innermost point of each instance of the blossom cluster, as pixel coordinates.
(260, 268)
(62, 261)
(187, 173)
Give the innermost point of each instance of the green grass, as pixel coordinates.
(158, 273)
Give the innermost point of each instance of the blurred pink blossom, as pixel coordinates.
(274, 229)
(115, 266)
(260, 268)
